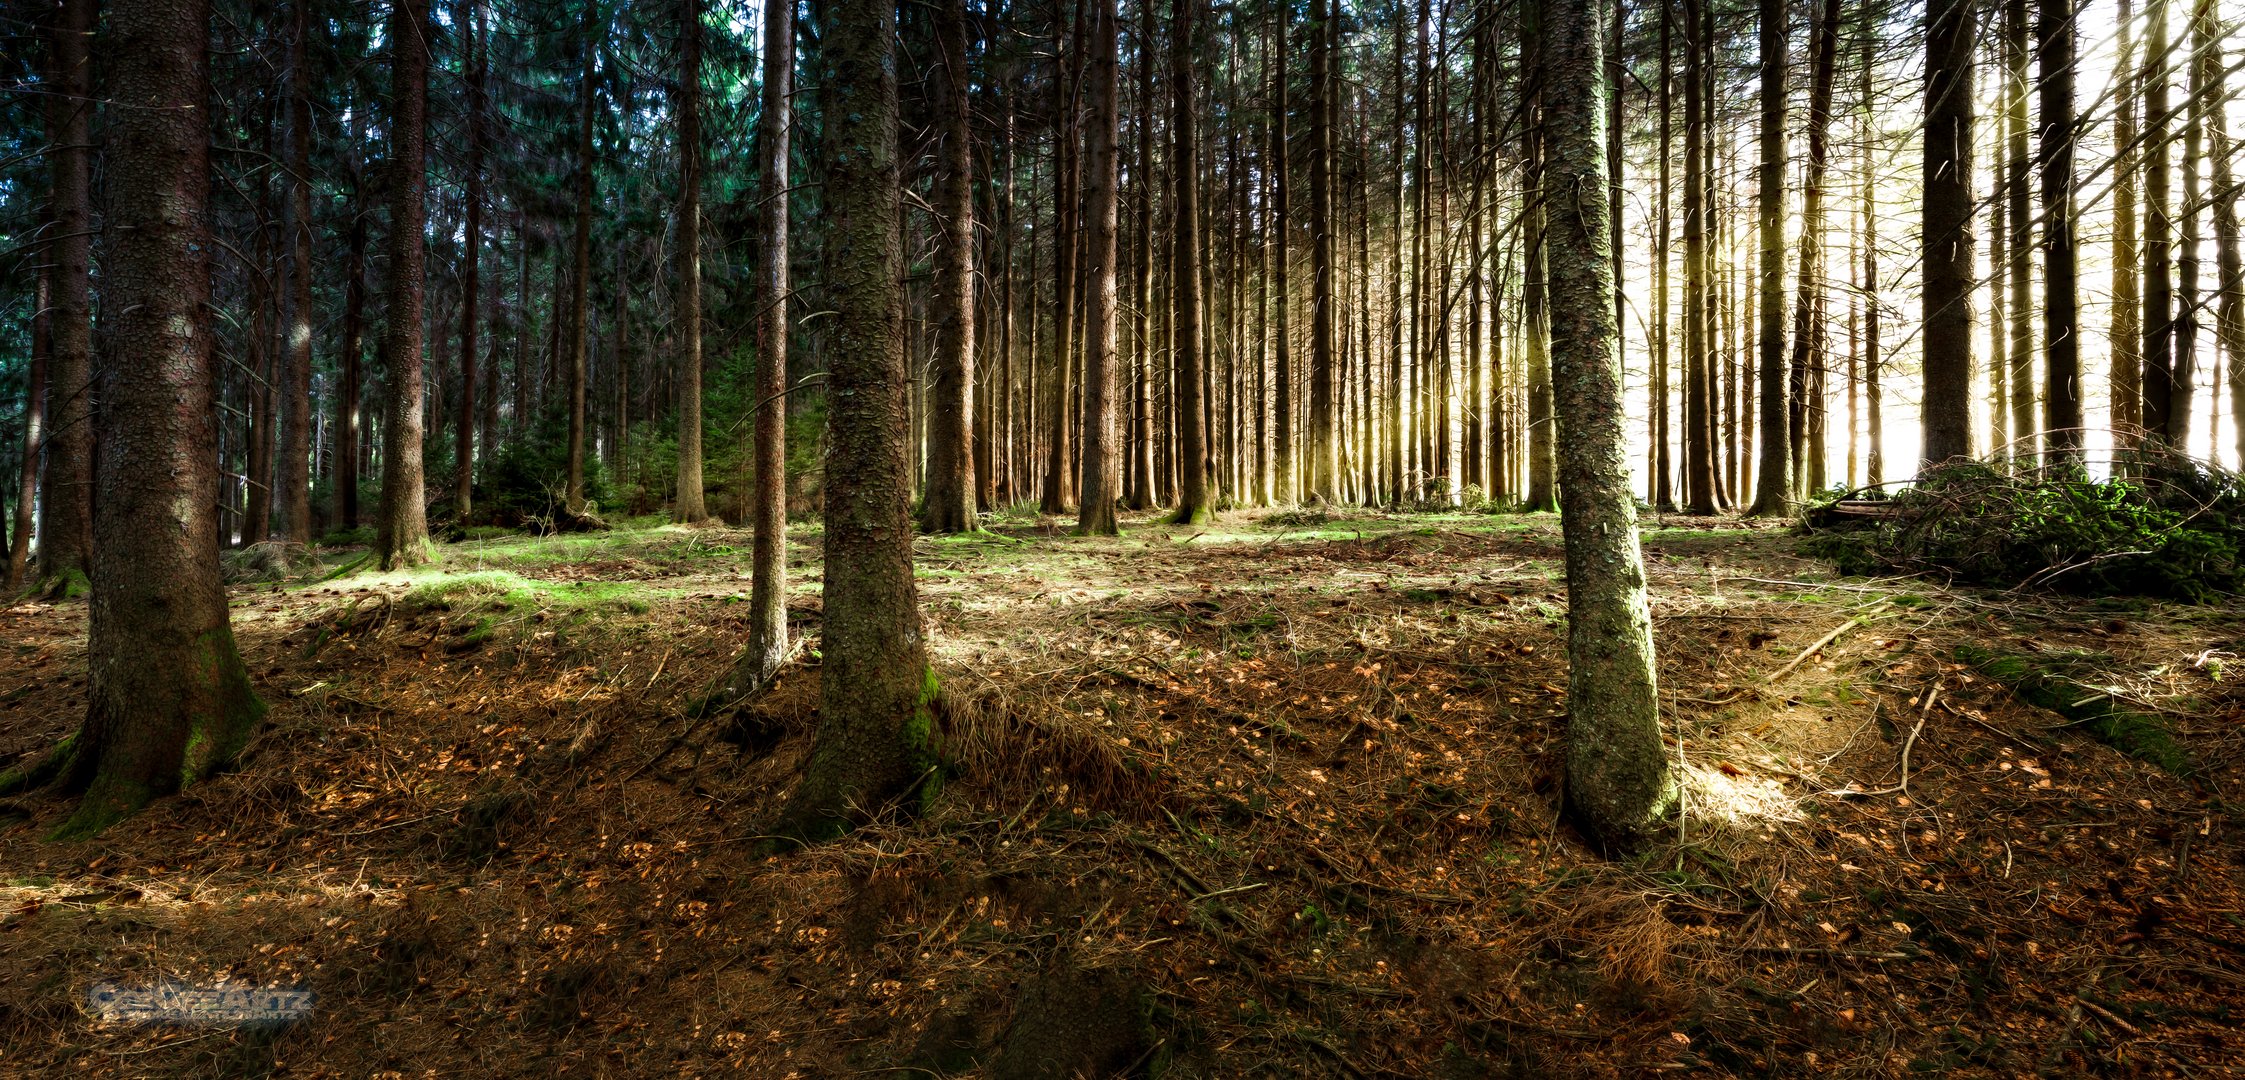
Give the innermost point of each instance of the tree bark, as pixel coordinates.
(1618, 780)
(1783, 398)
(34, 401)
(877, 692)
(1284, 490)
(168, 699)
(948, 503)
(1102, 459)
(2229, 306)
(2061, 306)
(1699, 427)
(767, 496)
(1058, 494)
(1948, 242)
(1193, 503)
(1323, 463)
(66, 506)
(294, 477)
(691, 508)
(2159, 385)
(402, 527)
(2127, 312)
(2019, 244)
(580, 278)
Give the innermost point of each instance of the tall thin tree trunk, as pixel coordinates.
(2019, 245)
(1194, 505)
(1874, 396)
(691, 507)
(2183, 413)
(294, 477)
(2160, 384)
(1283, 356)
(1699, 448)
(1059, 483)
(1323, 462)
(402, 526)
(1663, 464)
(66, 499)
(34, 401)
(1783, 398)
(2229, 306)
(767, 495)
(1948, 238)
(1102, 457)
(1618, 780)
(947, 504)
(580, 278)
(2055, 34)
(2126, 378)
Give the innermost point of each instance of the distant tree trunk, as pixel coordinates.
(2183, 414)
(348, 391)
(1948, 244)
(1323, 463)
(294, 477)
(27, 478)
(1663, 463)
(1284, 491)
(690, 507)
(1618, 781)
(402, 527)
(948, 504)
(1193, 502)
(1141, 495)
(767, 495)
(580, 277)
(1874, 396)
(1811, 321)
(1699, 428)
(2019, 244)
(1783, 398)
(65, 506)
(2160, 423)
(1393, 405)
(1102, 457)
(2061, 307)
(2229, 307)
(1058, 494)
(2127, 327)
(168, 700)
(877, 693)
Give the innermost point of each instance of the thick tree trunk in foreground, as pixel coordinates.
(66, 505)
(947, 506)
(168, 701)
(1618, 781)
(294, 477)
(401, 534)
(2061, 305)
(1948, 244)
(691, 507)
(1193, 503)
(1102, 456)
(876, 689)
(1782, 397)
(767, 495)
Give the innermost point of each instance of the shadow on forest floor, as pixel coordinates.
(1274, 797)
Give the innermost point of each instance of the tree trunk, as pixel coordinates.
(1699, 448)
(1618, 781)
(2127, 312)
(294, 477)
(948, 504)
(2229, 306)
(1323, 464)
(2159, 385)
(580, 278)
(1783, 398)
(1057, 495)
(1948, 241)
(348, 391)
(1284, 491)
(2019, 243)
(1193, 503)
(1874, 397)
(877, 692)
(2061, 307)
(66, 506)
(690, 507)
(27, 478)
(767, 495)
(1663, 465)
(168, 700)
(1102, 457)
(402, 527)
(2183, 413)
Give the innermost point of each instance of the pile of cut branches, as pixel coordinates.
(2159, 524)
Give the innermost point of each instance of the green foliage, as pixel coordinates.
(527, 476)
(2165, 525)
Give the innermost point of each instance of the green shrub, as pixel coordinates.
(526, 477)
(2164, 525)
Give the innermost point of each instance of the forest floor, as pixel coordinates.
(1273, 797)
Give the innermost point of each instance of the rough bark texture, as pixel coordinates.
(293, 480)
(1948, 239)
(1781, 395)
(168, 701)
(767, 495)
(66, 506)
(1193, 502)
(947, 505)
(690, 507)
(401, 533)
(471, 288)
(1102, 457)
(1323, 459)
(876, 689)
(1618, 780)
(2061, 304)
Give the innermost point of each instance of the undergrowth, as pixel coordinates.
(2162, 525)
